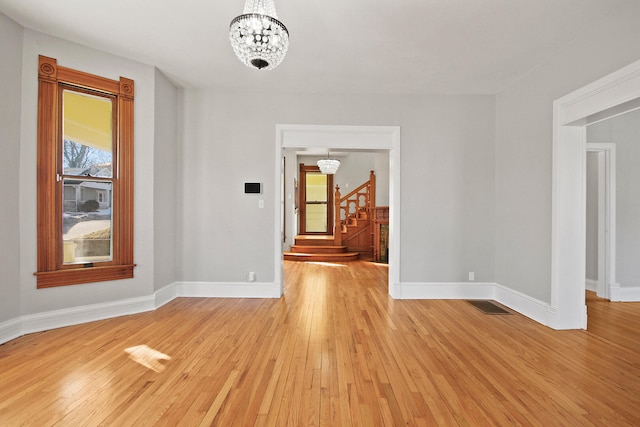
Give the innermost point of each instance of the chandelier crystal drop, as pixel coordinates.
(328, 166)
(259, 40)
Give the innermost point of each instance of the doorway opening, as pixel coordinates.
(613, 95)
(356, 138)
(601, 218)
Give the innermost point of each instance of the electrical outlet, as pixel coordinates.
(472, 276)
(252, 276)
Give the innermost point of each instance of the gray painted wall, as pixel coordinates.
(165, 164)
(523, 157)
(624, 131)
(10, 102)
(446, 179)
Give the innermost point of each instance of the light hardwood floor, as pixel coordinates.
(335, 350)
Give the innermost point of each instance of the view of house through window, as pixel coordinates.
(87, 159)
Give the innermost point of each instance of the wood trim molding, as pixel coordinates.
(51, 270)
(48, 69)
(75, 276)
(46, 158)
(89, 81)
(125, 168)
(126, 88)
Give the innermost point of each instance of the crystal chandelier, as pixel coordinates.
(328, 166)
(259, 40)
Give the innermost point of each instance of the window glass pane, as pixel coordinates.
(87, 147)
(316, 217)
(316, 187)
(86, 221)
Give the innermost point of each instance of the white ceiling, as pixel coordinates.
(346, 46)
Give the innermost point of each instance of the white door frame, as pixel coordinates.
(343, 137)
(608, 97)
(606, 216)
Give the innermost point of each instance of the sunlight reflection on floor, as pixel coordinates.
(147, 357)
(328, 264)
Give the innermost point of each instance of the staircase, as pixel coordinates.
(356, 233)
(353, 218)
(353, 231)
(319, 248)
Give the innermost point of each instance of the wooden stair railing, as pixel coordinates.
(357, 205)
(337, 227)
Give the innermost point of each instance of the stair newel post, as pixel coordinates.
(337, 228)
(372, 191)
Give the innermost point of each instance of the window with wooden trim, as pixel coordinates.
(85, 176)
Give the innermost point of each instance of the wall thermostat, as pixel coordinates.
(252, 188)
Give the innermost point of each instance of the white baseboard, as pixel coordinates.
(591, 285)
(87, 313)
(228, 290)
(15, 328)
(532, 308)
(166, 294)
(620, 294)
(10, 330)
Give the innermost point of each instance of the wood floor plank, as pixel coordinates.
(336, 350)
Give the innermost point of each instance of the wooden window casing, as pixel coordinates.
(303, 200)
(51, 269)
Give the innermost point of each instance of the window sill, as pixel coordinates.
(50, 279)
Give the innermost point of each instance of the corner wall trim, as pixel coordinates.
(10, 330)
(166, 294)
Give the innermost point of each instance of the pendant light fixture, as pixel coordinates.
(259, 40)
(328, 166)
